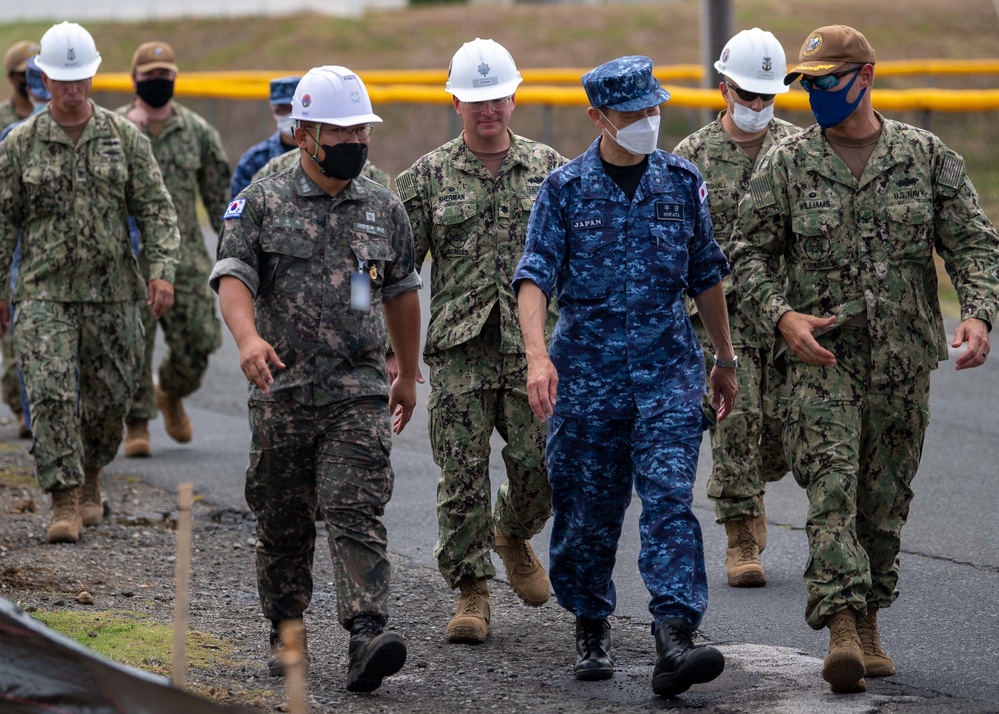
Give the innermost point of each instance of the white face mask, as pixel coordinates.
(751, 121)
(640, 138)
(285, 124)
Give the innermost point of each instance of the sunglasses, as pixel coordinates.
(826, 82)
(749, 96)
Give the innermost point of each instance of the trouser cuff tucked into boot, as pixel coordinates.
(373, 654)
(680, 663)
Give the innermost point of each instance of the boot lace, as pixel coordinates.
(841, 634)
(525, 556)
(746, 541)
(470, 599)
(592, 634)
(366, 627)
(867, 630)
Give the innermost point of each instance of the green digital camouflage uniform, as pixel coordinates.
(79, 288)
(322, 433)
(862, 251)
(475, 227)
(290, 158)
(190, 155)
(10, 389)
(746, 450)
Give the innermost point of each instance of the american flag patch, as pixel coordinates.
(702, 191)
(235, 209)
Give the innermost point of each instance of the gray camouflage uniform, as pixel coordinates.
(322, 433)
(862, 251)
(746, 450)
(79, 288)
(190, 155)
(475, 227)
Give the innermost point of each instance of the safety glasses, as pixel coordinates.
(748, 96)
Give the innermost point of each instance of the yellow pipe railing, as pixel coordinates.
(560, 87)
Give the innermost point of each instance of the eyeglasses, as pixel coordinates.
(494, 105)
(747, 96)
(361, 131)
(826, 82)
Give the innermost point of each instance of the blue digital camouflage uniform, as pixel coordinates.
(474, 226)
(322, 433)
(631, 375)
(746, 450)
(254, 159)
(862, 251)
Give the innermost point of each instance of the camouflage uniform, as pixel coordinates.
(862, 251)
(190, 155)
(79, 289)
(322, 433)
(10, 388)
(254, 159)
(293, 157)
(630, 375)
(746, 450)
(475, 225)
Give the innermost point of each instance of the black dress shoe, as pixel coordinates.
(680, 662)
(593, 643)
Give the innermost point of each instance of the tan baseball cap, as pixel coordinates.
(153, 55)
(830, 48)
(16, 58)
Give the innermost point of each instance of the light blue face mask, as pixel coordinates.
(832, 108)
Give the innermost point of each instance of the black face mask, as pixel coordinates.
(155, 92)
(342, 161)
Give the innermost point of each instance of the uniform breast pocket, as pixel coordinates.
(376, 253)
(667, 251)
(910, 231)
(454, 228)
(42, 184)
(289, 249)
(818, 241)
(592, 262)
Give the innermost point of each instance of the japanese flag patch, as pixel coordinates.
(235, 209)
(702, 191)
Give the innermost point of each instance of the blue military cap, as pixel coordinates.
(33, 77)
(283, 89)
(625, 85)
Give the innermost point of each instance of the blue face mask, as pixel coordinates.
(832, 108)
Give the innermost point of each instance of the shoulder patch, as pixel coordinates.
(406, 186)
(702, 191)
(235, 209)
(762, 191)
(952, 171)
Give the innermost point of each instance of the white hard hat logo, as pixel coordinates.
(355, 97)
(484, 69)
(767, 64)
(306, 101)
(70, 54)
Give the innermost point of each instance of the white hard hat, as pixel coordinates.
(68, 53)
(482, 70)
(754, 60)
(332, 95)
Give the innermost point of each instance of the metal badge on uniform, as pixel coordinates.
(235, 209)
(360, 289)
(666, 211)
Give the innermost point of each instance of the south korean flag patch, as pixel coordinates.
(235, 209)
(702, 191)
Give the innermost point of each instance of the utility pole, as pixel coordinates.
(716, 29)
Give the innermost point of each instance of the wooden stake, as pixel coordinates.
(294, 669)
(181, 598)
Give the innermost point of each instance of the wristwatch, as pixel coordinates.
(729, 363)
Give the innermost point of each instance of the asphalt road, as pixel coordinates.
(942, 631)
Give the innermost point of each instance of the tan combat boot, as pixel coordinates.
(471, 620)
(91, 505)
(742, 557)
(844, 665)
(66, 522)
(877, 663)
(178, 426)
(137, 439)
(527, 577)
